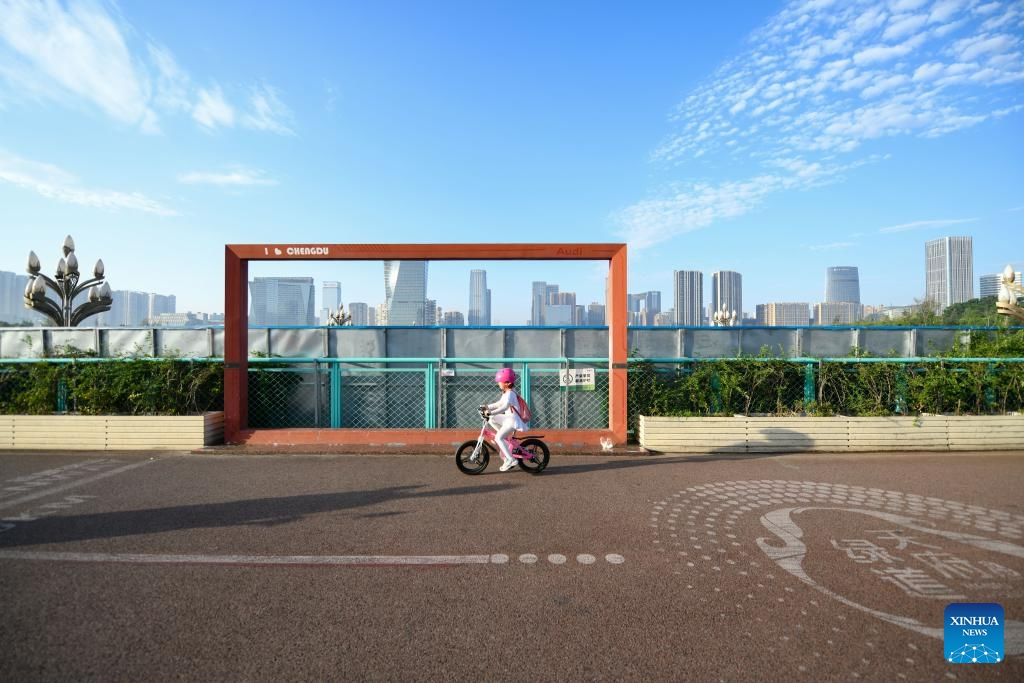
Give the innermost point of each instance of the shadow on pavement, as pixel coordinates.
(266, 512)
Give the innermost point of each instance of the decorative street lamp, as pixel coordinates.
(339, 318)
(724, 317)
(65, 284)
(1009, 290)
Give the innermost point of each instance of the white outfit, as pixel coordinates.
(505, 420)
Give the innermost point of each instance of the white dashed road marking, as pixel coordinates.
(293, 560)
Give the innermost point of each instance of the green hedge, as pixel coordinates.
(115, 387)
(765, 385)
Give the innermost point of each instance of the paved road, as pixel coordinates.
(644, 568)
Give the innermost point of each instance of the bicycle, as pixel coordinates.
(472, 456)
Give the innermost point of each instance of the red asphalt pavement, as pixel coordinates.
(397, 567)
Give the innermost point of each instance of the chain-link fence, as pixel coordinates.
(414, 394)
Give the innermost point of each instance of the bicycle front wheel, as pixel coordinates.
(467, 462)
(535, 455)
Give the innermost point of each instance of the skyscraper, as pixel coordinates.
(282, 301)
(405, 290)
(689, 297)
(479, 298)
(727, 290)
(330, 300)
(842, 283)
(360, 313)
(783, 314)
(644, 307)
(538, 300)
(988, 285)
(949, 271)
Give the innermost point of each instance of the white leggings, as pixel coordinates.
(503, 426)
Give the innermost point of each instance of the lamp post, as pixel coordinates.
(1009, 290)
(724, 317)
(339, 318)
(65, 283)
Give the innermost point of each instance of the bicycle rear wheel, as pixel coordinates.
(535, 455)
(464, 457)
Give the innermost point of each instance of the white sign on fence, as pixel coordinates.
(579, 379)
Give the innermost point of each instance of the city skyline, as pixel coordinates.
(762, 138)
(840, 303)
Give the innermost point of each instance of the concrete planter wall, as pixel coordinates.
(111, 432)
(831, 434)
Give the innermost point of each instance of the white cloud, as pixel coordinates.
(52, 182)
(212, 110)
(238, 177)
(921, 225)
(833, 246)
(268, 112)
(84, 52)
(818, 83)
(78, 52)
(974, 47)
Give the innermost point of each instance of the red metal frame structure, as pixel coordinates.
(236, 336)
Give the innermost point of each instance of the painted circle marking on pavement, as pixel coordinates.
(528, 558)
(556, 558)
(499, 558)
(614, 558)
(709, 505)
(584, 558)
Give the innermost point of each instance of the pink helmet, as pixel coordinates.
(506, 375)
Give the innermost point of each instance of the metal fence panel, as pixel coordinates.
(584, 342)
(287, 396)
(413, 342)
(356, 342)
(185, 343)
(655, 342)
(829, 342)
(532, 342)
(296, 342)
(474, 342)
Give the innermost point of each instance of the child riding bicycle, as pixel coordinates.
(504, 415)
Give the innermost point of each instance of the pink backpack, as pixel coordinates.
(523, 410)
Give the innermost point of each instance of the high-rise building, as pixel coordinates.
(689, 297)
(360, 313)
(949, 271)
(454, 319)
(643, 307)
(330, 300)
(595, 314)
(838, 313)
(282, 301)
(479, 298)
(538, 299)
(12, 300)
(727, 290)
(162, 304)
(786, 314)
(842, 283)
(560, 315)
(405, 289)
(988, 285)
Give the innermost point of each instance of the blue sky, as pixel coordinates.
(771, 138)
